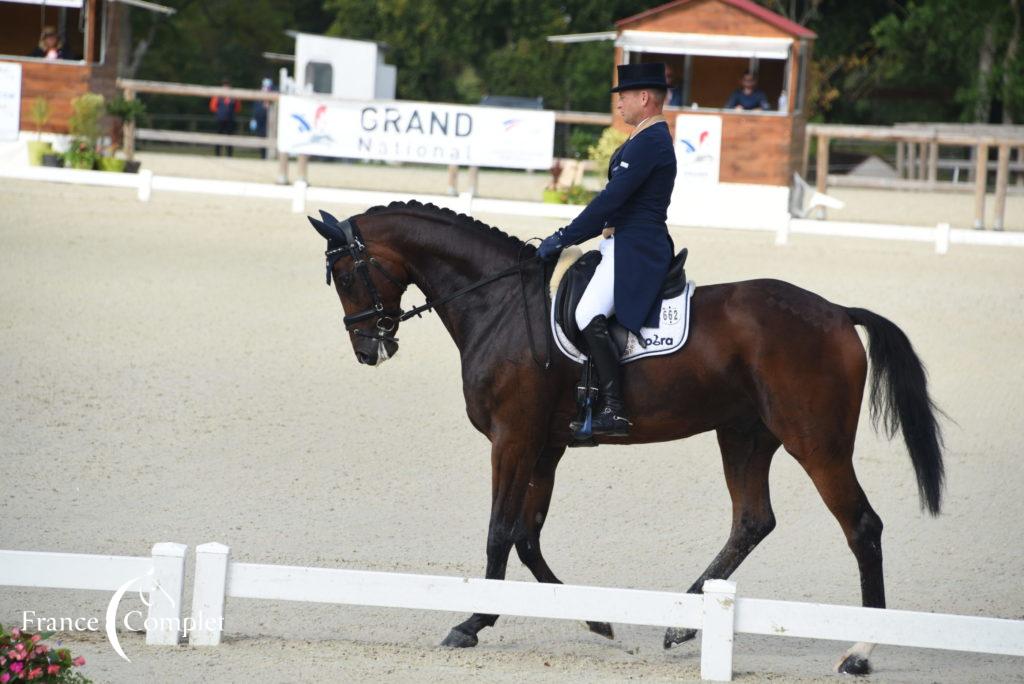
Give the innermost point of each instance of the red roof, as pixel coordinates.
(748, 6)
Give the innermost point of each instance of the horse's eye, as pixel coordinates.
(345, 281)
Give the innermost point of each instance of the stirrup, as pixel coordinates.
(607, 423)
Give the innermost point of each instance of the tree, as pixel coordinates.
(452, 51)
(962, 57)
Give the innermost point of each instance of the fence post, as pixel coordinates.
(901, 165)
(980, 185)
(1002, 178)
(942, 238)
(933, 161)
(303, 168)
(821, 174)
(271, 148)
(282, 168)
(299, 198)
(782, 233)
(128, 130)
(145, 185)
(717, 630)
(163, 623)
(208, 594)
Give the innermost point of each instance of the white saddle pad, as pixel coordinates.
(665, 339)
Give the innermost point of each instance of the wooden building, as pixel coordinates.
(90, 32)
(708, 45)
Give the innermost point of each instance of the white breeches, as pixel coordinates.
(599, 297)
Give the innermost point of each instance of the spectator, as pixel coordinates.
(675, 87)
(224, 110)
(50, 45)
(258, 123)
(747, 96)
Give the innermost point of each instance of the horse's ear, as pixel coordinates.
(328, 219)
(326, 230)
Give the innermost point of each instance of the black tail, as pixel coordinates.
(899, 397)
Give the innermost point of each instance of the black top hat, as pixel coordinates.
(641, 76)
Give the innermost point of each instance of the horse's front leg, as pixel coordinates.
(512, 462)
(535, 513)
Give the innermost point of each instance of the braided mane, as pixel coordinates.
(432, 211)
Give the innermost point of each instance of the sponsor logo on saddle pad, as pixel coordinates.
(670, 335)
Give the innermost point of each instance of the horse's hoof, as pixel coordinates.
(602, 629)
(459, 639)
(678, 635)
(854, 665)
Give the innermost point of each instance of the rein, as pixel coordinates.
(350, 244)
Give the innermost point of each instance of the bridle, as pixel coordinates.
(350, 244)
(345, 240)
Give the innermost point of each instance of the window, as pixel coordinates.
(320, 75)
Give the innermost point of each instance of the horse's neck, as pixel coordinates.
(444, 259)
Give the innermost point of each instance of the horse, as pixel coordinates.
(767, 364)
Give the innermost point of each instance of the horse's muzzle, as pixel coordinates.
(377, 352)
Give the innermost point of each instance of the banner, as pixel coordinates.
(416, 132)
(10, 100)
(698, 148)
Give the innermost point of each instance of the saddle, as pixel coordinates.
(575, 281)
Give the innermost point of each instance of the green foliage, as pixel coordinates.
(601, 153)
(207, 41)
(81, 154)
(581, 140)
(128, 111)
(469, 87)
(39, 112)
(577, 194)
(85, 118)
(505, 41)
(936, 49)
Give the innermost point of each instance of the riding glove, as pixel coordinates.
(552, 245)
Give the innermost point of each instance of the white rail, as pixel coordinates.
(300, 193)
(718, 612)
(161, 575)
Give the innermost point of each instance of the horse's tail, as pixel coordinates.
(899, 398)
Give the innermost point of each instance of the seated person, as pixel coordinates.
(747, 96)
(50, 45)
(675, 87)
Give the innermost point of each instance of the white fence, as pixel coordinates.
(161, 574)
(300, 193)
(719, 613)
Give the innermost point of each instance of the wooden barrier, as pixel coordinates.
(917, 158)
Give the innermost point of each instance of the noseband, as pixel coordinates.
(351, 244)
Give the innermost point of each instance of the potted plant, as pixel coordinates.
(39, 112)
(84, 125)
(81, 154)
(125, 112)
(111, 163)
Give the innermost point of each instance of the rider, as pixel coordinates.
(636, 249)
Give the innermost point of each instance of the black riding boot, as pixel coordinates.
(610, 415)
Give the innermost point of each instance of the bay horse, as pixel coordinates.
(767, 364)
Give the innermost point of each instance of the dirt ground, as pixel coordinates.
(177, 371)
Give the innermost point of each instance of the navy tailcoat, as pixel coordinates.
(635, 202)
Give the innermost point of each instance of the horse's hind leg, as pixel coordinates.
(837, 484)
(535, 513)
(747, 457)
